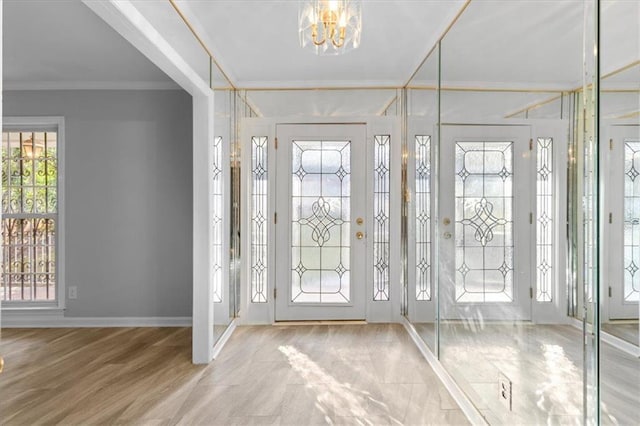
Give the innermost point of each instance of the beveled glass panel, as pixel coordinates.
(320, 221)
(216, 219)
(259, 249)
(484, 225)
(381, 214)
(631, 291)
(423, 217)
(544, 220)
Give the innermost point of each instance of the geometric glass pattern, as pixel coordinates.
(320, 221)
(30, 214)
(484, 221)
(544, 220)
(381, 182)
(259, 184)
(423, 217)
(216, 219)
(631, 221)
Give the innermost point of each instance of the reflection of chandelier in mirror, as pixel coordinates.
(330, 27)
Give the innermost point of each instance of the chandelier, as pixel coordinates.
(330, 27)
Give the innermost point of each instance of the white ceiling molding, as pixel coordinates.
(91, 85)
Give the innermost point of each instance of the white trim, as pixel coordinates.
(127, 20)
(58, 123)
(90, 85)
(54, 318)
(610, 339)
(217, 348)
(319, 84)
(467, 407)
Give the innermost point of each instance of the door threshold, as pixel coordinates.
(322, 322)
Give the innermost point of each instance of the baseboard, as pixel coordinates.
(473, 415)
(610, 339)
(22, 319)
(217, 347)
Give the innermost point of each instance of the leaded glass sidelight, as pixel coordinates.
(259, 185)
(631, 221)
(484, 221)
(423, 217)
(30, 213)
(544, 220)
(216, 219)
(320, 222)
(381, 183)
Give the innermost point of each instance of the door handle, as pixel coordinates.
(1, 364)
(447, 235)
(359, 235)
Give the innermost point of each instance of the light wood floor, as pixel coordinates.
(290, 375)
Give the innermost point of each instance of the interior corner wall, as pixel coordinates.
(128, 197)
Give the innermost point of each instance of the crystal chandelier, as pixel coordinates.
(330, 27)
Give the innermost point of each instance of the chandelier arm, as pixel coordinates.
(314, 36)
(340, 41)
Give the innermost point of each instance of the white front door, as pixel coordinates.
(624, 236)
(485, 222)
(320, 231)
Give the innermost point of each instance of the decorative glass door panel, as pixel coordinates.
(320, 234)
(320, 221)
(484, 221)
(624, 252)
(485, 227)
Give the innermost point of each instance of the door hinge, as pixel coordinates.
(610, 144)
(276, 141)
(530, 292)
(531, 218)
(530, 144)
(275, 218)
(610, 217)
(609, 291)
(275, 293)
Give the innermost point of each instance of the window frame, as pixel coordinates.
(48, 123)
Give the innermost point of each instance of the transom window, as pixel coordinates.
(29, 215)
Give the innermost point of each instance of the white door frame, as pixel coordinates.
(378, 311)
(354, 309)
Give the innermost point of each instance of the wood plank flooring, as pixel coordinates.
(288, 375)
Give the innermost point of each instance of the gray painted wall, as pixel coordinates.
(128, 199)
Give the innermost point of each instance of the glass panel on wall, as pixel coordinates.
(507, 99)
(421, 171)
(619, 102)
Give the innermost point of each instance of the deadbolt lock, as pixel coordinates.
(446, 221)
(359, 221)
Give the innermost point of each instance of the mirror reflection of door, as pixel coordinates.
(320, 230)
(624, 235)
(485, 229)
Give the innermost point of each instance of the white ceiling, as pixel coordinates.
(256, 42)
(495, 43)
(63, 44)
